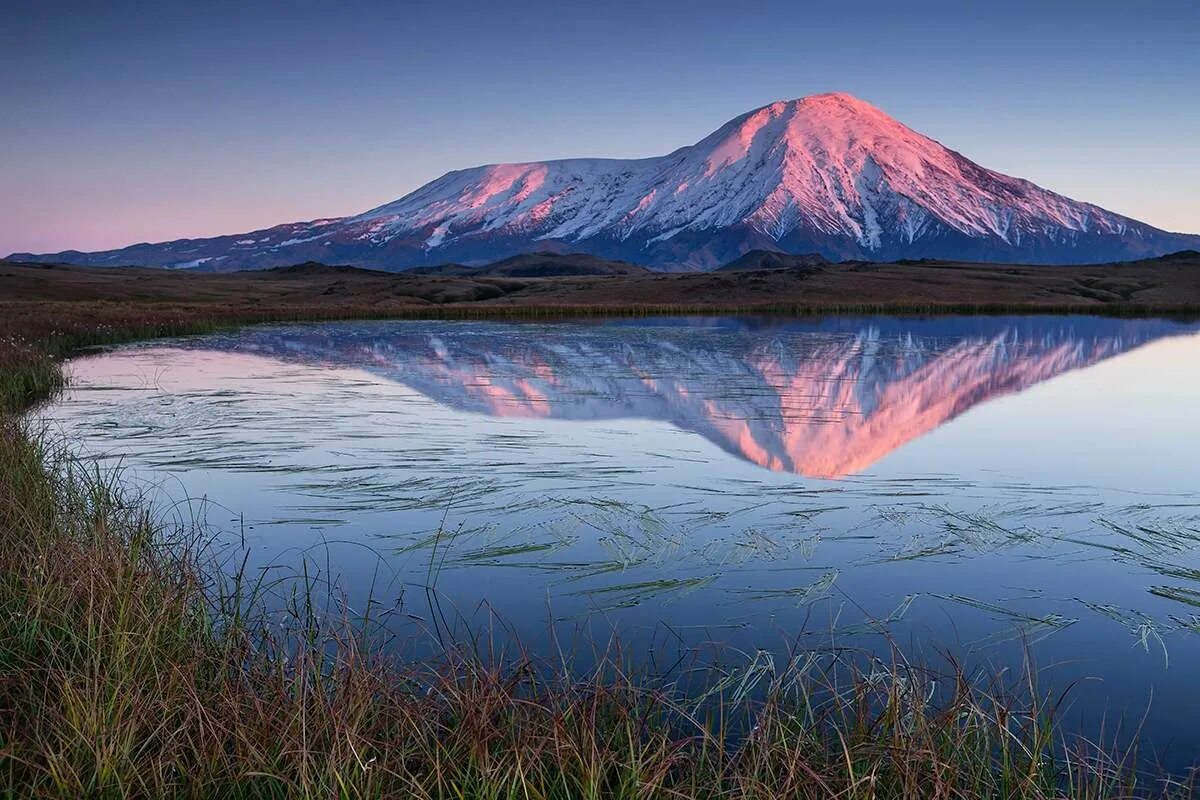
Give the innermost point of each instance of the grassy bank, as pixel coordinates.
(128, 668)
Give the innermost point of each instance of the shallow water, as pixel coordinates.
(978, 485)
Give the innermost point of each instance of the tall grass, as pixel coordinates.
(27, 374)
(129, 668)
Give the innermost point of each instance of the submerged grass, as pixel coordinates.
(130, 669)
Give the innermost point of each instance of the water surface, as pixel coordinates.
(978, 484)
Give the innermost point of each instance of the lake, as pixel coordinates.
(980, 485)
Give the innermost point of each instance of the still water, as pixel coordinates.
(977, 485)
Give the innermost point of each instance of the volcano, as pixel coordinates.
(828, 174)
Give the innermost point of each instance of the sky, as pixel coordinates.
(147, 121)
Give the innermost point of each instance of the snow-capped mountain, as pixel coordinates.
(828, 174)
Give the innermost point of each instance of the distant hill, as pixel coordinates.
(1182, 255)
(317, 268)
(537, 265)
(769, 259)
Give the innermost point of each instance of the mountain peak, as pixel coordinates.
(835, 134)
(828, 105)
(833, 99)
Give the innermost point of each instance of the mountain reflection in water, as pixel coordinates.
(822, 399)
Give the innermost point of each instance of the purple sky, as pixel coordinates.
(127, 122)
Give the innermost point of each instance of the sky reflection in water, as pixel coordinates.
(973, 482)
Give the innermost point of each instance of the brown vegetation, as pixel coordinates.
(1166, 285)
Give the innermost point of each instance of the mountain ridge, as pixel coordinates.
(536, 265)
(827, 174)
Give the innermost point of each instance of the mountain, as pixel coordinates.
(823, 399)
(827, 174)
(770, 259)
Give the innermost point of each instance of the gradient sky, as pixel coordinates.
(129, 121)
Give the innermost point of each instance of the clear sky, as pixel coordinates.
(144, 121)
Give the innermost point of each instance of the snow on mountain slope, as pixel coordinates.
(827, 173)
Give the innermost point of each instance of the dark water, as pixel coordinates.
(977, 485)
